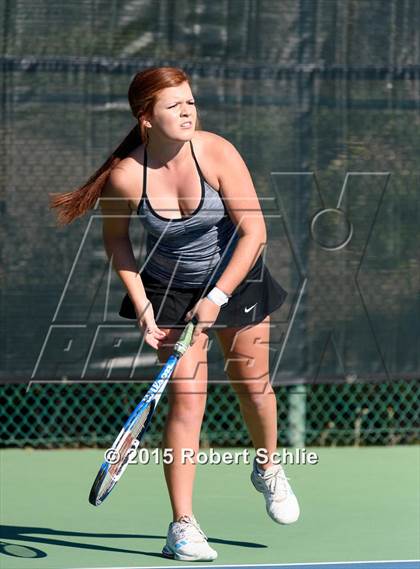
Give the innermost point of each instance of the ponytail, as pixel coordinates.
(76, 203)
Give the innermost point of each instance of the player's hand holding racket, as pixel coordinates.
(206, 312)
(153, 335)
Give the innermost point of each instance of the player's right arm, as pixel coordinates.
(117, 195)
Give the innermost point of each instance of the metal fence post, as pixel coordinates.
(297, 415)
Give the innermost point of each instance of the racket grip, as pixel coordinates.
(185, 339)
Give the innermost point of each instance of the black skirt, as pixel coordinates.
(258, 295)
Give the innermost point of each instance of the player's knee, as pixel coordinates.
(254, 394)
(188, 408)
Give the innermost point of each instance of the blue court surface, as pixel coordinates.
(394, 564)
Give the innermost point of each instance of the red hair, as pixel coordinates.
(142, 96)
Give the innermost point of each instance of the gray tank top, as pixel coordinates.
(191, 251)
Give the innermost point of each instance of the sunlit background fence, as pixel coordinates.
(50, 416)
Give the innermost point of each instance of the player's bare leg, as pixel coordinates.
(187, 399)
(247, 366)
(187, 390)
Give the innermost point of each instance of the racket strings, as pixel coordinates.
(125, 446)
(141, 422)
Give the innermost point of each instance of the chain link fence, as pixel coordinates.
(91, 414)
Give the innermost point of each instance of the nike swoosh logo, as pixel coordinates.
(250, 308)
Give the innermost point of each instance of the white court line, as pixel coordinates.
(332, 563)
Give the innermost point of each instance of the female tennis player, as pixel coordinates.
(205, 234)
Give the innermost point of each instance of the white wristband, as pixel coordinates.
(218, 296)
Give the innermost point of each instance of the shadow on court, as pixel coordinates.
(19, 533)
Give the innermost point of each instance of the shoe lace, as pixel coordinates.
(188, 527)
(277, 483)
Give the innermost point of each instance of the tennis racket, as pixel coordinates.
(127, 442)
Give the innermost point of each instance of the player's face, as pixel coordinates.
(174, 113)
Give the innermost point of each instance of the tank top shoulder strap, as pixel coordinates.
(143, 195)
(196, 162)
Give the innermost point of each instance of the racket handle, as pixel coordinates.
(185, 339)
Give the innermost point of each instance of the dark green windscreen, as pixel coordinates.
(321, 98)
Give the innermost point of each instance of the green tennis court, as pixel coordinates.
(357, 505)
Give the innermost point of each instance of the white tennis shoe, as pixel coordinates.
(186, 541)
(281, 503)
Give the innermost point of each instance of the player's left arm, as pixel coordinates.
(242, 204)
